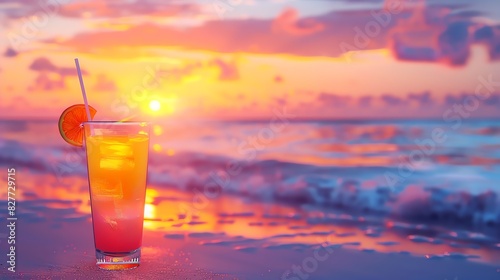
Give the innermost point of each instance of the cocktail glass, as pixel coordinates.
(117, 163)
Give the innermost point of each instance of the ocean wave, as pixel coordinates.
(354, 190)
(351, 190)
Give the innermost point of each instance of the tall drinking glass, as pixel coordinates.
(117, 162)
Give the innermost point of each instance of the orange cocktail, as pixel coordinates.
(117, 160)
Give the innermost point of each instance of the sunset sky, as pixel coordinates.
(245, 59)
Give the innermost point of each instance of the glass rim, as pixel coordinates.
(117, 122)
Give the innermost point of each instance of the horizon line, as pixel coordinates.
(294, 120)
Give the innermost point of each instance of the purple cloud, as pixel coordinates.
(452, 99)
(333, 100)
(454, 43)
(9, 52)
(489, 36)
(439, 34)
(422, 99)
(43, 64)
(392, 100)
(484, 34)
(365, 101)
(493, 100)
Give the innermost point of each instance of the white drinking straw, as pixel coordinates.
(82, 86)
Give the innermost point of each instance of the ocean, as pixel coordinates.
(414, 172)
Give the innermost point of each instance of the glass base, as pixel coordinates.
(118, 261)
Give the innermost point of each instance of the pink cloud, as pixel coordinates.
(111, 9)
(100, 9)
(227, 36)
(288, 22)
(44, 82)
(422, 33)
(177, 73)
(227, 70)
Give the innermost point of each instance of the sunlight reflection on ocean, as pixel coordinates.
(382, 177)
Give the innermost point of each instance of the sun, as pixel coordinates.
(154, 105)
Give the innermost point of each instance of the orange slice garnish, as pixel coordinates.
(70, 123)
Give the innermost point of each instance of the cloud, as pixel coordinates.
(50, 76)
(122, 8)
(413, 38)
(422, 99)
(9, 52)
(495, 51)
(493, 100)
(178, 73)
(389, 105)
(484, 34)
(454, 43)
(288, 22)
(281, 101)
(363, 1)
(392, 100)
(231, 35)
(104, 83)
(489, 36)
(227, 70)
(70, 71)
(44, 82)
(365, 101)
(467, 14)
(43, 64)
(98, 9)
(437, 34)
(432, 33)
(333, 100)
(366, 105)
(452, 99)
